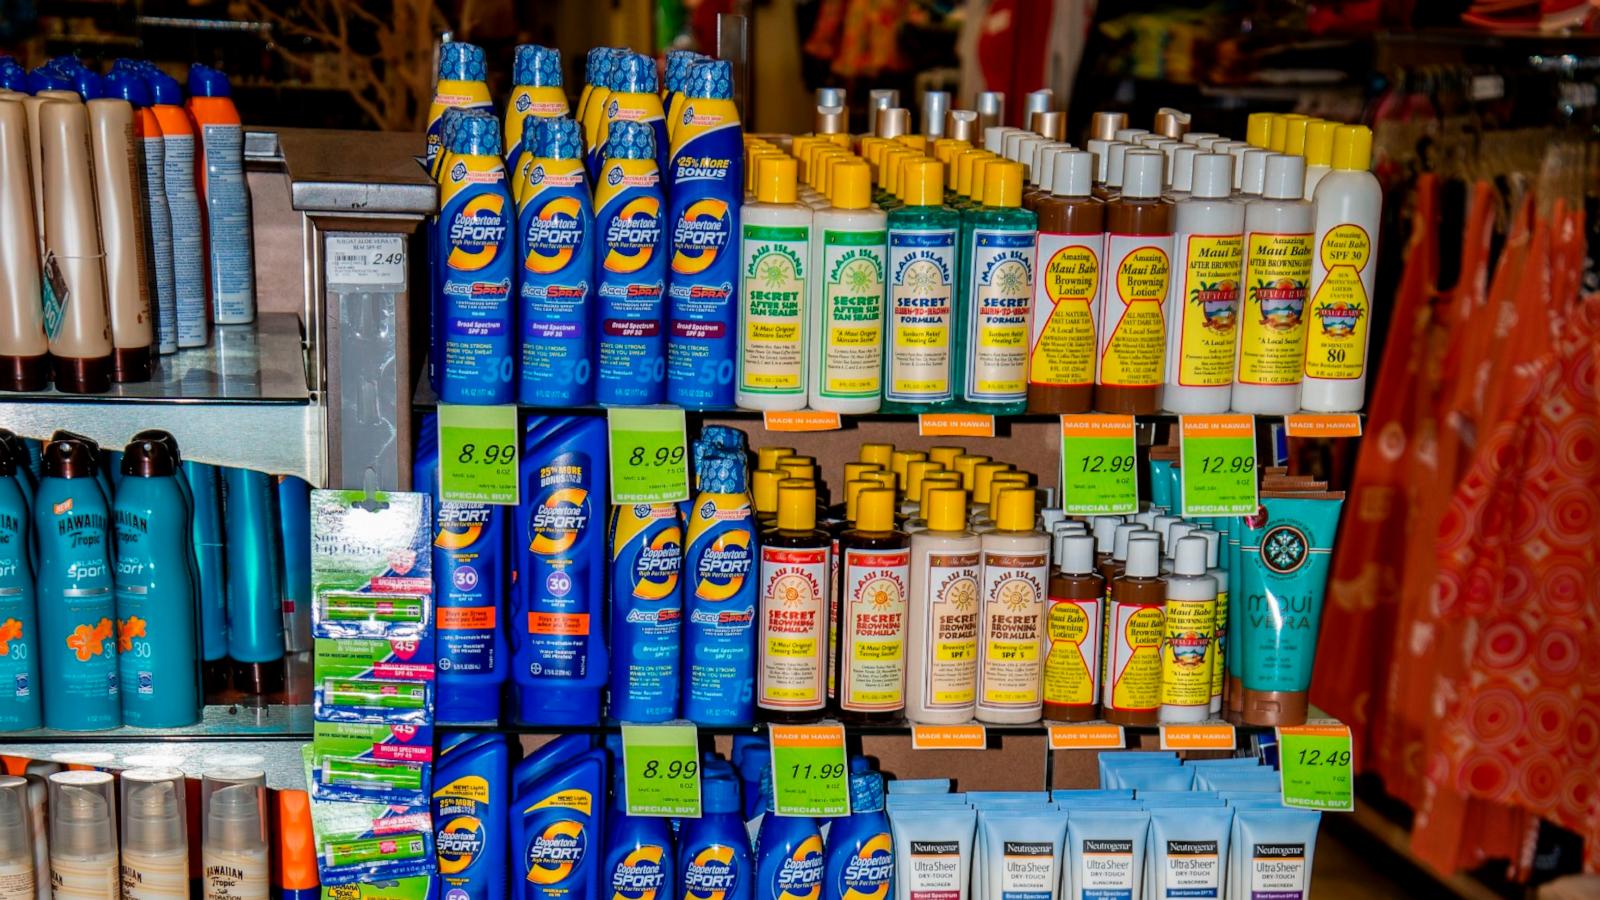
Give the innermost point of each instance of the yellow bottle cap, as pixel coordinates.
(917, 142)
(799, 470)
(946, 510)
(1280, 133)
(1002, 184)
(775, 179)
(764, 489)
(872, 150)
(897, 171)
(852, 491)
(1319, 143)
(940, 481)
(982, 477)
(980, 178)
(1014, 510)
(922, 183)
(899, 459)
(852, 187)
(766, 456)
(799, 149)
(1352, 148)
(945, 149)
(1258, 133)
(966, 466)
(839, 139)
(797, 505)
(886, 162)
(965, 160)
(1003, 480)
(883, 477)
(946, 456)
(916, 470)
(877, 454)
(1294, 137)
(875, 510)
(855, 470)
(825, 162)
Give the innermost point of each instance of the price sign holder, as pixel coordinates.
(809, 770)
(1099, 471)
(649, 459)
(1218, 458)
(663, 770)
(1317, 767)
(478, 451)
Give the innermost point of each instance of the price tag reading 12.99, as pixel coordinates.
(648, 461)
(1218, 462)
(662, 763)
(477, 454)
(1098, 475)
(808, 770)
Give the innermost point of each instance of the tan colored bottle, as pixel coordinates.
(120, 202)
(24, 350)
(75, 290)
(31, 106)
(1071, 249)
(1133, 642)
(1133, 291)
(942, 632)
(1016, 579)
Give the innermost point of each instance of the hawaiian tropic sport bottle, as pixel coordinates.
(475, 267)
(630, 268)
(555, 244)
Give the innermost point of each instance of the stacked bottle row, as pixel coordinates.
(128, 231)
(586, 258)
(89, 835)
(133, 583)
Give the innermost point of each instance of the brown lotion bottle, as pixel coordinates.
(874, 596)
(1132, 692)
(1071, 249)
(24, 351)
(1072, 634)
(791, 678)
(1133, 290)
(120, 202)
(80, 348)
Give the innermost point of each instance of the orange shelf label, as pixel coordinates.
(1097, 426)
(803, 420)
(1316, 729)
(955, 425)
(1091, 736)
(807, 736)
(1198, 737)
(948, 737)
(1220, 426)
(1322, 426)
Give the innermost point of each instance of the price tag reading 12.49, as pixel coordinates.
(648, 460)
(1316, 766)
(478, 454)
(1218, 460)
(662, 763)
(808, 770)
(1098, 474)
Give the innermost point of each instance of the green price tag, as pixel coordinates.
(478, 454)
(809, 776)
(1316, 767)
(662, 763)
(648, 461)
(1099, 473)
(1218, 461)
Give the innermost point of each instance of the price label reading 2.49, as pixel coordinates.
(478, 454)
(809, 770)
(1218, 461)
(648, 460)
(1099, 475)
(662, 763)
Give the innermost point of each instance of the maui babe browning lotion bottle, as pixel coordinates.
(1133, 288)
(1070, 250)
(1133, 638)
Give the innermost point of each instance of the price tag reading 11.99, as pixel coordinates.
(662, 763)
(808, 770)
(477, 454)
(648, 460)
(1098, 473)
(1218, 462)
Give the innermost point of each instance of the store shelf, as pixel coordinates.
(242, 401)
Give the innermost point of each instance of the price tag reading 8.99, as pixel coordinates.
(662, 765)
(648, 460)
(477, 454)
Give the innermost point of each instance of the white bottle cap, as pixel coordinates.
(15, 847)
(1143, 556)
(1285, 177)
(233, 801)
(153, 811)
(1130, 135)
(1253, 173)
(1163, 526)
(1141, 174)
(1119, 547)
(994, 138)
(82, 824)
(1072, 174)
(1077, 554)
(1028, 155)
(1013, 144)
(1191, 558)
(1195, 137)
(1180, 530)
(1044, 163)
(1049, 518)
(1116, 156)
(1183, 167)
(1213, 176)
(1101, 151)
(1105, 533)
(1213, 540)
(1146, 518)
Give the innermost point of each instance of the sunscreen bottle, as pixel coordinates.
(1072, 634)
(774, 269)
(222, 188)
(859, 860)
(18, 878)
(189, 251)
(639, 860)
(128, 84)
(255, 593)
(942, 667)
(706, 179)
(1133, 289)
(1015, 582)
(845, 338)
(1070, 251)
(1133, 637)
(74, 291)
(919, 355)
(155, 835)
(1318, 153)
(789, 858)
(294, 518)
(1349, 208)
(24, 348)
(1202, 309)
(679, 62)
(475, 265)
(233, 842)
(630, 269)
(1188, 646)
(646, 611)
(83, 836)
(874, 594)
(157, 637)
(471, 796)
(1216, 546)
(77, 607)
(714, 850)
(462, 84)
(791, 684)
(720, 598)
(1278, 255)
(557, 823)
(536, 94)
(555, 243)
(19, 665)
(211, 570)
(634, 98)
(599, 68)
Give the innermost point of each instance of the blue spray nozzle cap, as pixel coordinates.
(769, 801)
(536, 66)
(710, 80)
(630, 140)
(860, 764)
(461, 61)
(594, 62)
(48, 79)
(723, 436)
(129, 86)
(450, 123)
(205, 81)
(554, 138)
(164, 88)
(89, 85)
(866, 792)
(678, 63)
(13, 77)
(476, 134)
(635, 74)
(721, 473)
(719, 793)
